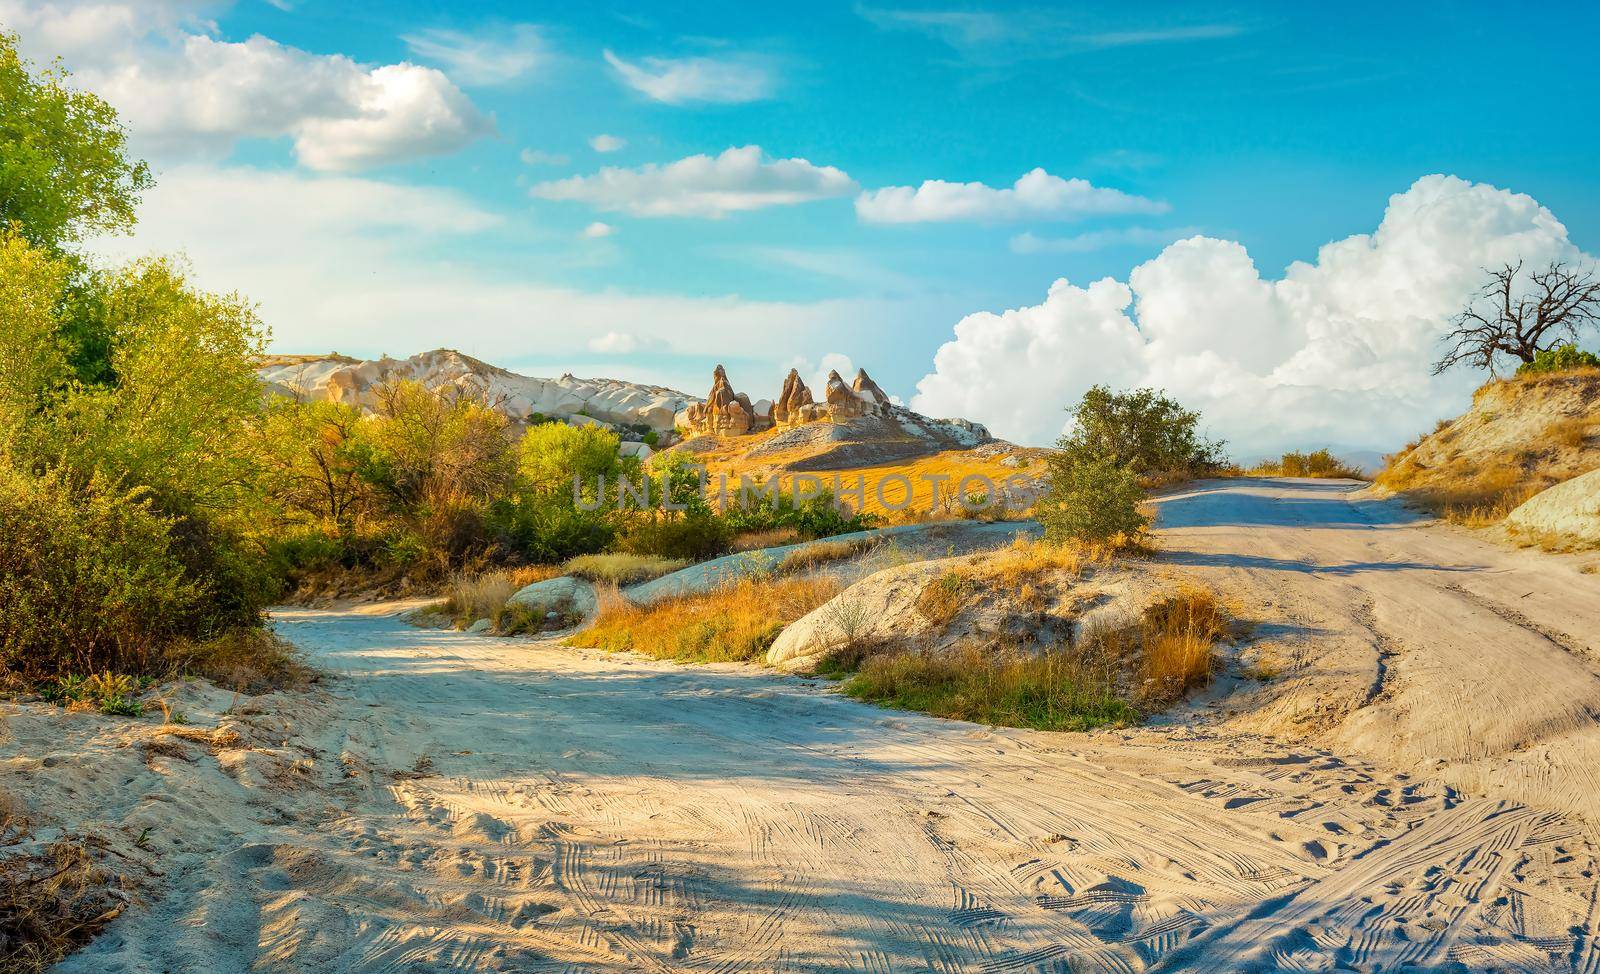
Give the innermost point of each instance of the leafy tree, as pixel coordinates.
(1142, 430)
(1510, 319)
(64, 168)
(185, 392)
(32, 364)
(314, 454)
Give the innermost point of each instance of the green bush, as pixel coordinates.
(1560, 358)
(692, 535)
(1094, 501)
(814, 517)
(90, 579)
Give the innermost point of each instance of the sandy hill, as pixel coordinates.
(1521, 436)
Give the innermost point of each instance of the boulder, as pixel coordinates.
(1567, 513)
(566, 596)
(880, 608)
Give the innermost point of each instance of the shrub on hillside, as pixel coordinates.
(1560, 358)
(1095, 501)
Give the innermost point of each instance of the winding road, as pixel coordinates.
(1415, 793)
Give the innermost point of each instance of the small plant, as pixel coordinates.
(942, 599)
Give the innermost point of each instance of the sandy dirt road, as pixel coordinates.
(477, 804)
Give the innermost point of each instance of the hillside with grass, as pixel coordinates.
(1521, 435)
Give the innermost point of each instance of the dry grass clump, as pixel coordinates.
(1110, 675)
(1570, 432)
(469, 598)
(51, 903)
(1177, 651)
(736, 621)
(622, 568)
(772, 538)
(245, 661)
(1467, 494)
(822, 552)
(1058, 689)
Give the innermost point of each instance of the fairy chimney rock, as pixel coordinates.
(866, 389)
(790, 407)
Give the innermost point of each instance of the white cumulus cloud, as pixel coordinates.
(702, 185)
(607, 143)
(596, 230)
(679, 81)
(182, 90)
(494, 57)
(1336, 351)
(1036, 195)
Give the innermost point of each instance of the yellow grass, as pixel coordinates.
(623, 568)
(822, 552)
(729, 457)
(1178, 638)
(737, 621)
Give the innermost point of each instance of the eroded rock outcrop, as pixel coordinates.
(792, 401)
(726, 412)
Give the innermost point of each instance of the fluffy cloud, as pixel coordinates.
(679, 81)
(491, 59)
(1334, 352)
(1037, 195)
(702, 185)
(596, 230)
(607, 143)
(182, 90)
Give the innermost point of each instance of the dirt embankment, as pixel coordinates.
(1520, 436)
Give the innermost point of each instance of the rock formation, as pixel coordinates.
(725, 412)
(792, 400)
(868, 390)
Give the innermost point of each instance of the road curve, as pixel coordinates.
(483, 804)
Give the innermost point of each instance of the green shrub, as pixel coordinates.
(1560, 358)
(691, 535)
(1317, 463)
(1094, 501)
(814, 517)
(89, 579)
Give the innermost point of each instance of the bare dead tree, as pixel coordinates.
(1505, 320)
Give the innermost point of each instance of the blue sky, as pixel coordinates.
(1279, 127)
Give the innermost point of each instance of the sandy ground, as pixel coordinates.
(463, 803)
